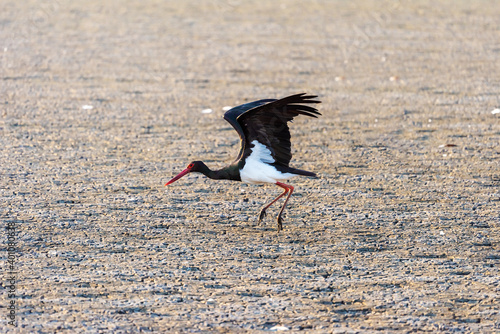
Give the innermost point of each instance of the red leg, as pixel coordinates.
(263, 211)
(289, 189)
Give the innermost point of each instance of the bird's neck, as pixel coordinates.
(227, 173)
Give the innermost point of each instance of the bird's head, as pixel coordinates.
(195, 166)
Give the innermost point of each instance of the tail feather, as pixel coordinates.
(305, 173)
(296, 171)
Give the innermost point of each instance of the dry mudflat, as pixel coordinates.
(101, 104)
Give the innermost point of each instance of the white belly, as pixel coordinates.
(257, 168)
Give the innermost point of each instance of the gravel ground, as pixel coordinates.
(101, 105)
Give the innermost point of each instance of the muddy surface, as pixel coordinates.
(101, 104)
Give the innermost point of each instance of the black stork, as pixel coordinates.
(265, 145)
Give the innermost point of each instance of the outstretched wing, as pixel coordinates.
(267, 122)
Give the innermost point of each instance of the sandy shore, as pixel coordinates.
(101, 104)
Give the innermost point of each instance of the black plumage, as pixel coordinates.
(267, 122)
(265, 141)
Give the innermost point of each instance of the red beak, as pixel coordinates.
(181, 174)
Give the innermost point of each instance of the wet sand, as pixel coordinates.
(101, 105)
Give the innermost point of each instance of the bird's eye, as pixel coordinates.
(191, 166)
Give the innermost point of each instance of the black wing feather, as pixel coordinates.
(232, 117)
(267, 122)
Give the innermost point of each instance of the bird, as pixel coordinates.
(265, 148)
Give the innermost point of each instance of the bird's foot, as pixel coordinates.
(262, 215)
(280, 223)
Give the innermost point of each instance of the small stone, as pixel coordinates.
(279, 328)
